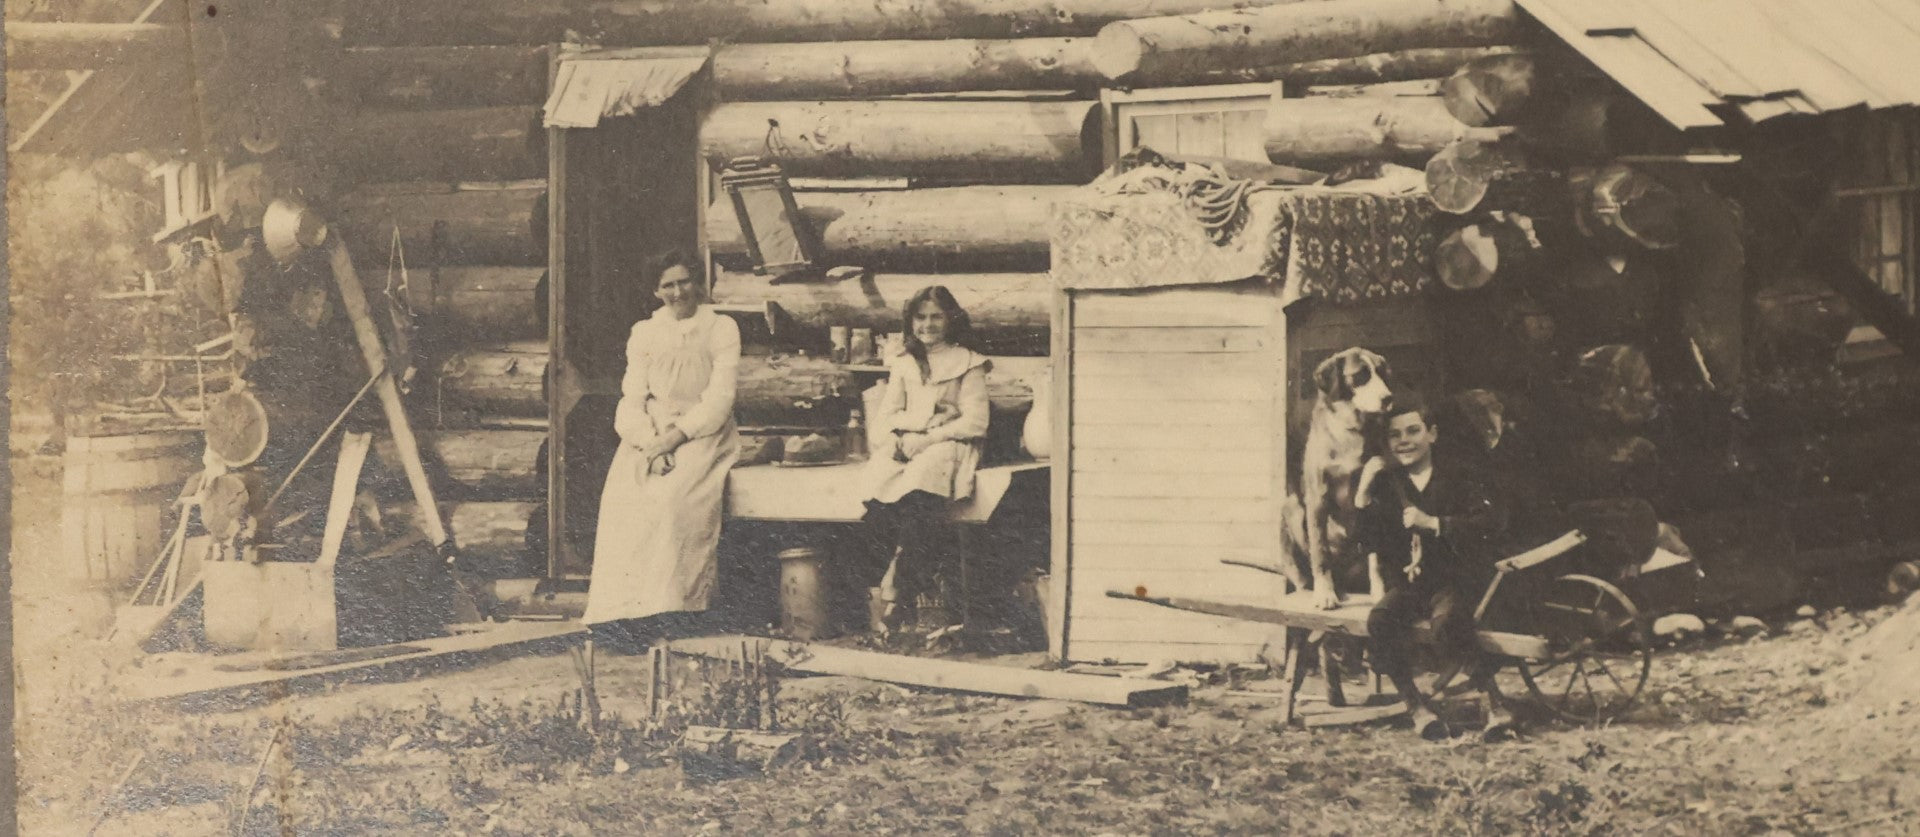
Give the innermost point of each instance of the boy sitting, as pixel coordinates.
(1437, 531)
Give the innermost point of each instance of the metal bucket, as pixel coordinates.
(804, 611)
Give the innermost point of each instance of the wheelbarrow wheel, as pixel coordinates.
(1602, 651)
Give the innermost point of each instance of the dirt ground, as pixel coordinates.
(1786, 731)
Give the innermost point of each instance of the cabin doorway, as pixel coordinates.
(624, 191)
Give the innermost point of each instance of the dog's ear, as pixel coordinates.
(1330, 377)
(1380, 366)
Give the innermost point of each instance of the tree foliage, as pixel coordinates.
(78, 231)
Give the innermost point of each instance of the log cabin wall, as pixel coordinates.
(930, 162)
(443, 167)
(964, 205)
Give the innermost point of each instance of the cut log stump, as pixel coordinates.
(1477, 175)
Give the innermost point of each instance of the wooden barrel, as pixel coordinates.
(118, 493)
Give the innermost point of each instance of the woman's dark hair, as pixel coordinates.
(677, 257)
(959, 325)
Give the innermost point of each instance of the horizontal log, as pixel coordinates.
(465, 303)
(1180, 44)
(1375, 68)
(1382, 67)
(865, 69)
(422, 78)
(645, 23)
(484, 463)
(497, 143)
(957, 228)
(495, 462)
(771, 388)
(1323, 130)
(1005, 142)
(1010, 311)
(467, 224)
(93, 46)
(507, 380)
(490, 531)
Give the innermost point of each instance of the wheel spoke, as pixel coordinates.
(1587, 681)
(1624, 691)
(1567, 695)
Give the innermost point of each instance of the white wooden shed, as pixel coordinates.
(1182, 371)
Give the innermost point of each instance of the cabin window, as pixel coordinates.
(1882, 197)
(1226, 120)
(186, 194)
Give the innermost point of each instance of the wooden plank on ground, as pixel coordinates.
(943, 674)
(1173, 649)
(512, 635)
(1349, 717)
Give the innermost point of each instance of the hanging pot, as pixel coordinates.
(288, 227)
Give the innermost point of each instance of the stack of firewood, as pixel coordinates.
(1566, 280)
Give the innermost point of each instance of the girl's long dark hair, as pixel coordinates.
(959, 325)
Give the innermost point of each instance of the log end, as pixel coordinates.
(1467, 258)
(1117, 51)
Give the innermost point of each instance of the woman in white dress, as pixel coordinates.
(659, 524)
(933, 418)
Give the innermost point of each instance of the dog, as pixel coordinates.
(1317, 547)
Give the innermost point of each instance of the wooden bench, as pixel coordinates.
(835, 493)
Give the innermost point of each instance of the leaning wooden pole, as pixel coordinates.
(353, 297)
(1160, 47)
(92, 46)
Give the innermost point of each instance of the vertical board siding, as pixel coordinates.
(1173, 439)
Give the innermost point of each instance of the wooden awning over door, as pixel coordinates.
(590, 86)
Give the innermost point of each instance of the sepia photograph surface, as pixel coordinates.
(1091, 417)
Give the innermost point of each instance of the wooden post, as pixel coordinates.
(346, 483)
(353, 297)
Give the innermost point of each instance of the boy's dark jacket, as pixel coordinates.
(1473, 526)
